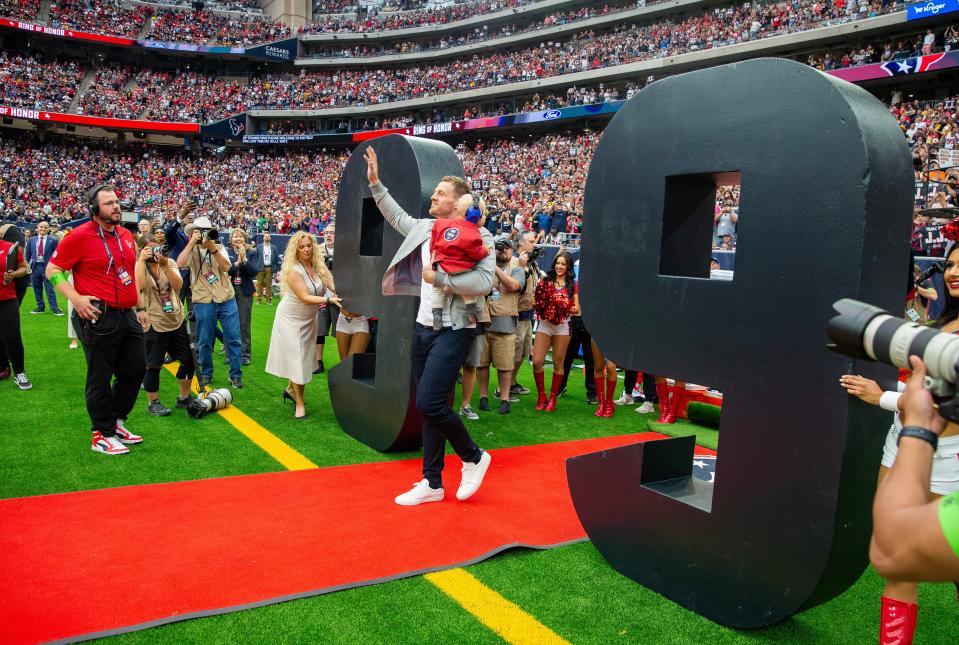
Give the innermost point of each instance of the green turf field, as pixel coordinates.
(571, 589)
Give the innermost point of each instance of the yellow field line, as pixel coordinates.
(510, 622)
(266, 440)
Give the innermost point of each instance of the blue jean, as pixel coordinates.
(437, 357)
(206, 317)
(39, 281)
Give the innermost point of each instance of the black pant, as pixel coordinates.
(11, 343)
(437, 356)
(20, 288)
(579, 338)
(158, 345)
(649, 384)
(114, 350)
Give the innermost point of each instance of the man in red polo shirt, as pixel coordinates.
(103, 255)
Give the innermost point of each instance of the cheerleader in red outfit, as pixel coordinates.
(554, 301)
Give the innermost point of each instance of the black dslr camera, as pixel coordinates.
(867, 332)
(535, 253)
(163, 250)
(212, 234)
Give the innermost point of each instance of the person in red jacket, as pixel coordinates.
(14, 266)
(456, 246)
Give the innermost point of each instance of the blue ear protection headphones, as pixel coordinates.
(473, 213)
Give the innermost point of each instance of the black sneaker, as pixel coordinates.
(37, 311)
(236, 383)
(185, 403)
(518, 389)
(157, 409)
(591, 399)
(504, 407)
(319, 368)
(484, 404)
(512, 399)
(57, 312)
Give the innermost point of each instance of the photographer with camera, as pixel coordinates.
(500, 347)
(915, 538)
(159, 283)
(102, 256)
(243, 270)
(528, 254)
(213, 298)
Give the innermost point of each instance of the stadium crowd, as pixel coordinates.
(366, 21)
(22, 9)
(206, 27)
(39, 82)
(194, 96)
(99, 16)
(477, 34)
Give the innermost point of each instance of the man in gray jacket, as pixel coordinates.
(436, 355)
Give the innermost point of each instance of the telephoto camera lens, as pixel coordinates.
(864, 331)
(215, 400)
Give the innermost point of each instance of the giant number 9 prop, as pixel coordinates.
(824, 213)
(373, 396)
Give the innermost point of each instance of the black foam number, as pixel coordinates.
(373, 395)
(824, 213)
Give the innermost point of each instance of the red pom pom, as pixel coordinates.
(951, 230)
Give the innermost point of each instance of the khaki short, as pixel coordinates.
(524, 340)
(499, 350)
(477, 348)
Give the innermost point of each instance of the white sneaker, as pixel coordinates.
(22, 381)
(125, 436)
(107, 445)
(646, 408)
(473, 477)
(467, 411)
(420, 493)
(625, 399)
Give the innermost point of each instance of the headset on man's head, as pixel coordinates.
(93, 204)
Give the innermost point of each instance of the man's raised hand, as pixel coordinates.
(372, 166)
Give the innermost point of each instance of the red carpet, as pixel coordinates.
(108, 561)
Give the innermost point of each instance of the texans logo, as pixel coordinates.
(236, 128)
(451, 234)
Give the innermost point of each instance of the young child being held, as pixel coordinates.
(456, 246)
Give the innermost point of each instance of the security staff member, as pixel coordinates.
(102, 255)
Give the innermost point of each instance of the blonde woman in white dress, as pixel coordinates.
(305, 284)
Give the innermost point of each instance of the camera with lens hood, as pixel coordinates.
(867, 332)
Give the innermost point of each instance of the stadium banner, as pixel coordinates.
(284, 139)
(281, 50)
(915, 65)
(920, 10)
(66, 33)
(232, 128)
(44, 116)
(187, 47)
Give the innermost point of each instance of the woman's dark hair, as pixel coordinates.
(950, 307)
(570, 271)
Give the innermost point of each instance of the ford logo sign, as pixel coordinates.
(552, 114)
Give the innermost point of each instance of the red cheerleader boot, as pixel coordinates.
(540, 378)
(676, 402)
(662, 391)
(600, 396)
(554, 392)
(610, 392)
(897, 624)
